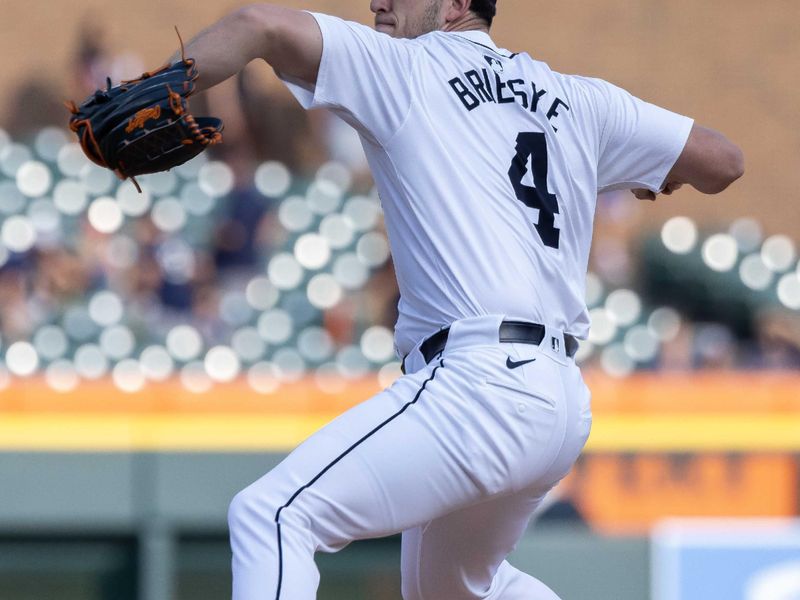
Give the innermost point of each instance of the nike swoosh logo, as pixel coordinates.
(514, 365)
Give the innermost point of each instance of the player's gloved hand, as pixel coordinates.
(643, 194)
(144, 125)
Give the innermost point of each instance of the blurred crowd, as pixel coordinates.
(267, 255)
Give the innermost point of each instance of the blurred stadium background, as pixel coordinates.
(161, 351)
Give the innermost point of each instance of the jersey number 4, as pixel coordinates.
(534, 146)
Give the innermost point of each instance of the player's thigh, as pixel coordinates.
(456, 556)
(377, 469)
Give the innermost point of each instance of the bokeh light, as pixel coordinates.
(105, 215)
(275, 326)
(323, 196)
(235, 309)
(12, 200)
(70, 196)
(34, 179)
(272, 179)
(60, 376)
(97, 180)
(604, 327)
(373, 249)
(127, 376)
(616, 362)
(159, 184)
(191, 169)
(184, 343)
(337, 230)
(312, 251)
(12, 157)
(156, 363)
(105, 308)
(289, 364)
(389, 373)
(49, 142)
(315, 344)
(216, 179)
(640, 344)
(336, 173)
(261, 294)
(754, 272)
(169, 215)
(196, 201)
(117, 342)
(263, 377)
(22, 359)
(324, 291)
(351, 362)
(71, 160)
(90, 361)
(78, 324)
(50, 342)
(364, 213)
(623, 306)
(18, 234)
(350, 272)
(222, 364)
(679, 235)
(45, 218)
(248, 344)
(778, 253)
(295, 214)
(720, 252)
(377, 344)
(284, 272)
(195, 379)
(664, 323)
(747, 233)
(789, 291)
(131, 202)
(328, 380)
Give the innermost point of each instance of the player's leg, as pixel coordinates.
(397, 460)
(462, 555)
(320, 497)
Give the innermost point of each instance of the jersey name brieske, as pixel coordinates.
(474, 88)
(488, 165)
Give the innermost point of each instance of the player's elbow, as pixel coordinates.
(729, 167)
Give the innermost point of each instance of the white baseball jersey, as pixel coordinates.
(488, 166)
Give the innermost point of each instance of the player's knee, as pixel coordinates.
(250, 507)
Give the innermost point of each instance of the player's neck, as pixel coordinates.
(469, 22)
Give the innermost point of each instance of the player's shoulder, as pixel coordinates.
(585, 89)
(334, 27)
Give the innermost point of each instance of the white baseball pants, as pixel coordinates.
(456, 454)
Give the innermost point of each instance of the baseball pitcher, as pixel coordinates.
(488, 165)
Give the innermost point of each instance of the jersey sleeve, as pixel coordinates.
(638, 142)
(364, 77)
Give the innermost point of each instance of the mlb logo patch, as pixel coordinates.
(495, 64)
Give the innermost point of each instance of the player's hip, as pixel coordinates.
(522, 408)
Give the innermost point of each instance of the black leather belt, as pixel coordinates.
(519, 332)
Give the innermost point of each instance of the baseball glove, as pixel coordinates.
(144, 125)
